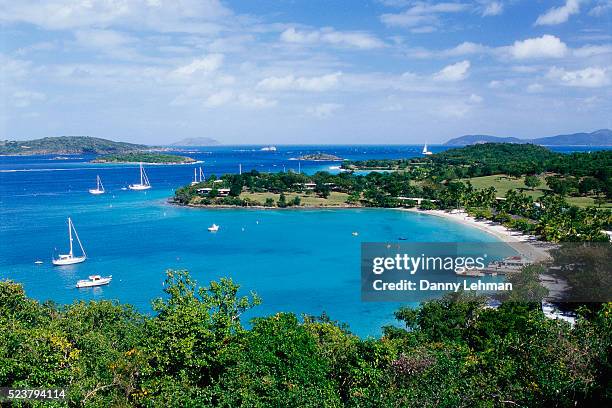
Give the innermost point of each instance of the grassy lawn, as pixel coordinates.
(503, 183)
(310, 200)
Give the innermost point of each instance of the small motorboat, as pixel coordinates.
(94, 280)
(355, 233)
(38, 262)
(213, 228)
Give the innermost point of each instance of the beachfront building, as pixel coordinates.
(221, 192)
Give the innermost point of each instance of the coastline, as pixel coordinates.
(527, 246)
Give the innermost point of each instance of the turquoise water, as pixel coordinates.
(302, 261)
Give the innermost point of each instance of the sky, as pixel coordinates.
(304, 71)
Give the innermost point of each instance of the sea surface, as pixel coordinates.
(301, 261)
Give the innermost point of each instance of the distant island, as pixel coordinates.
(151, 158)
(320, 157)
(68, 145)
(602, 137)
(196, 141)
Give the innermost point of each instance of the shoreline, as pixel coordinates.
(527, 246)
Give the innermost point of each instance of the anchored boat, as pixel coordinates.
(69, 258)
(99, 187)
(144, 181)
(94, 280)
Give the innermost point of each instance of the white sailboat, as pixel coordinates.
(425, 151)
(195, 177)
(213, 228)
(69, 258)
(144, 181)
(99, 187)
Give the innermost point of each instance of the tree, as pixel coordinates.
(297, 201)
(532, 181)
(269, 202)
(282, 201)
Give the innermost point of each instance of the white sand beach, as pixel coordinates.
(527, 246)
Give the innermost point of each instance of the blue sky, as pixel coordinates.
(304, 71)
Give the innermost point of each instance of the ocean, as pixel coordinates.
(301, 261)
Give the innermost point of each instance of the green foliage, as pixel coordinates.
(194, 351)
(144, 158)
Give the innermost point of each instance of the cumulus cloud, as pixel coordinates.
(454, 72)
(292, 83)
(354, 39)
(558, 15)
(324, 110)
(422, 15)
(253, 101)
(591, 77)
(208, 63)
(219, 98)
(546, 46)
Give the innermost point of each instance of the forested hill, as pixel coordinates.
(602, 137)
(68, 145)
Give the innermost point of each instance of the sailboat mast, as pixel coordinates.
(70, 234)
(141, 183)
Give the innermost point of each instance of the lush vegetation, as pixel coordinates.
(437, 182)
(157, 158)
(320, 157)
(195, 351)
(67, 145)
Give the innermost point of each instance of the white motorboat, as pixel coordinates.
(213, 228)
(69, 258)
(268, 149)
(38, 262)
(426, 152)
(144, 181)
(94, 280)
(99, 187)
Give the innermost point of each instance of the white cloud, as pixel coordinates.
(493, 8)
(157, 15)
(591, 77)
(23, 99)
(422, 14)
(454, 72)
(534, 88)
(603, 7)
(465, 48)
(219, 98)
(206, 64)
(475, 99)
(592, 50)
(546, 46)
(324, 110)
(328, 35)
(252, 101)
(292, 83)
(558, 15)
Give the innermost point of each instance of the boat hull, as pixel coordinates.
(90, 284)
(69, 261)
(138, 187)
(96, 191)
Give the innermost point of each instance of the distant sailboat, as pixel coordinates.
(195, 177)
(144, 181)
(69, 259)
(425, 151)
(99, 187)
(213, 228)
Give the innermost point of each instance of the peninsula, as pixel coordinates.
(150, 158)
(68, 145)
